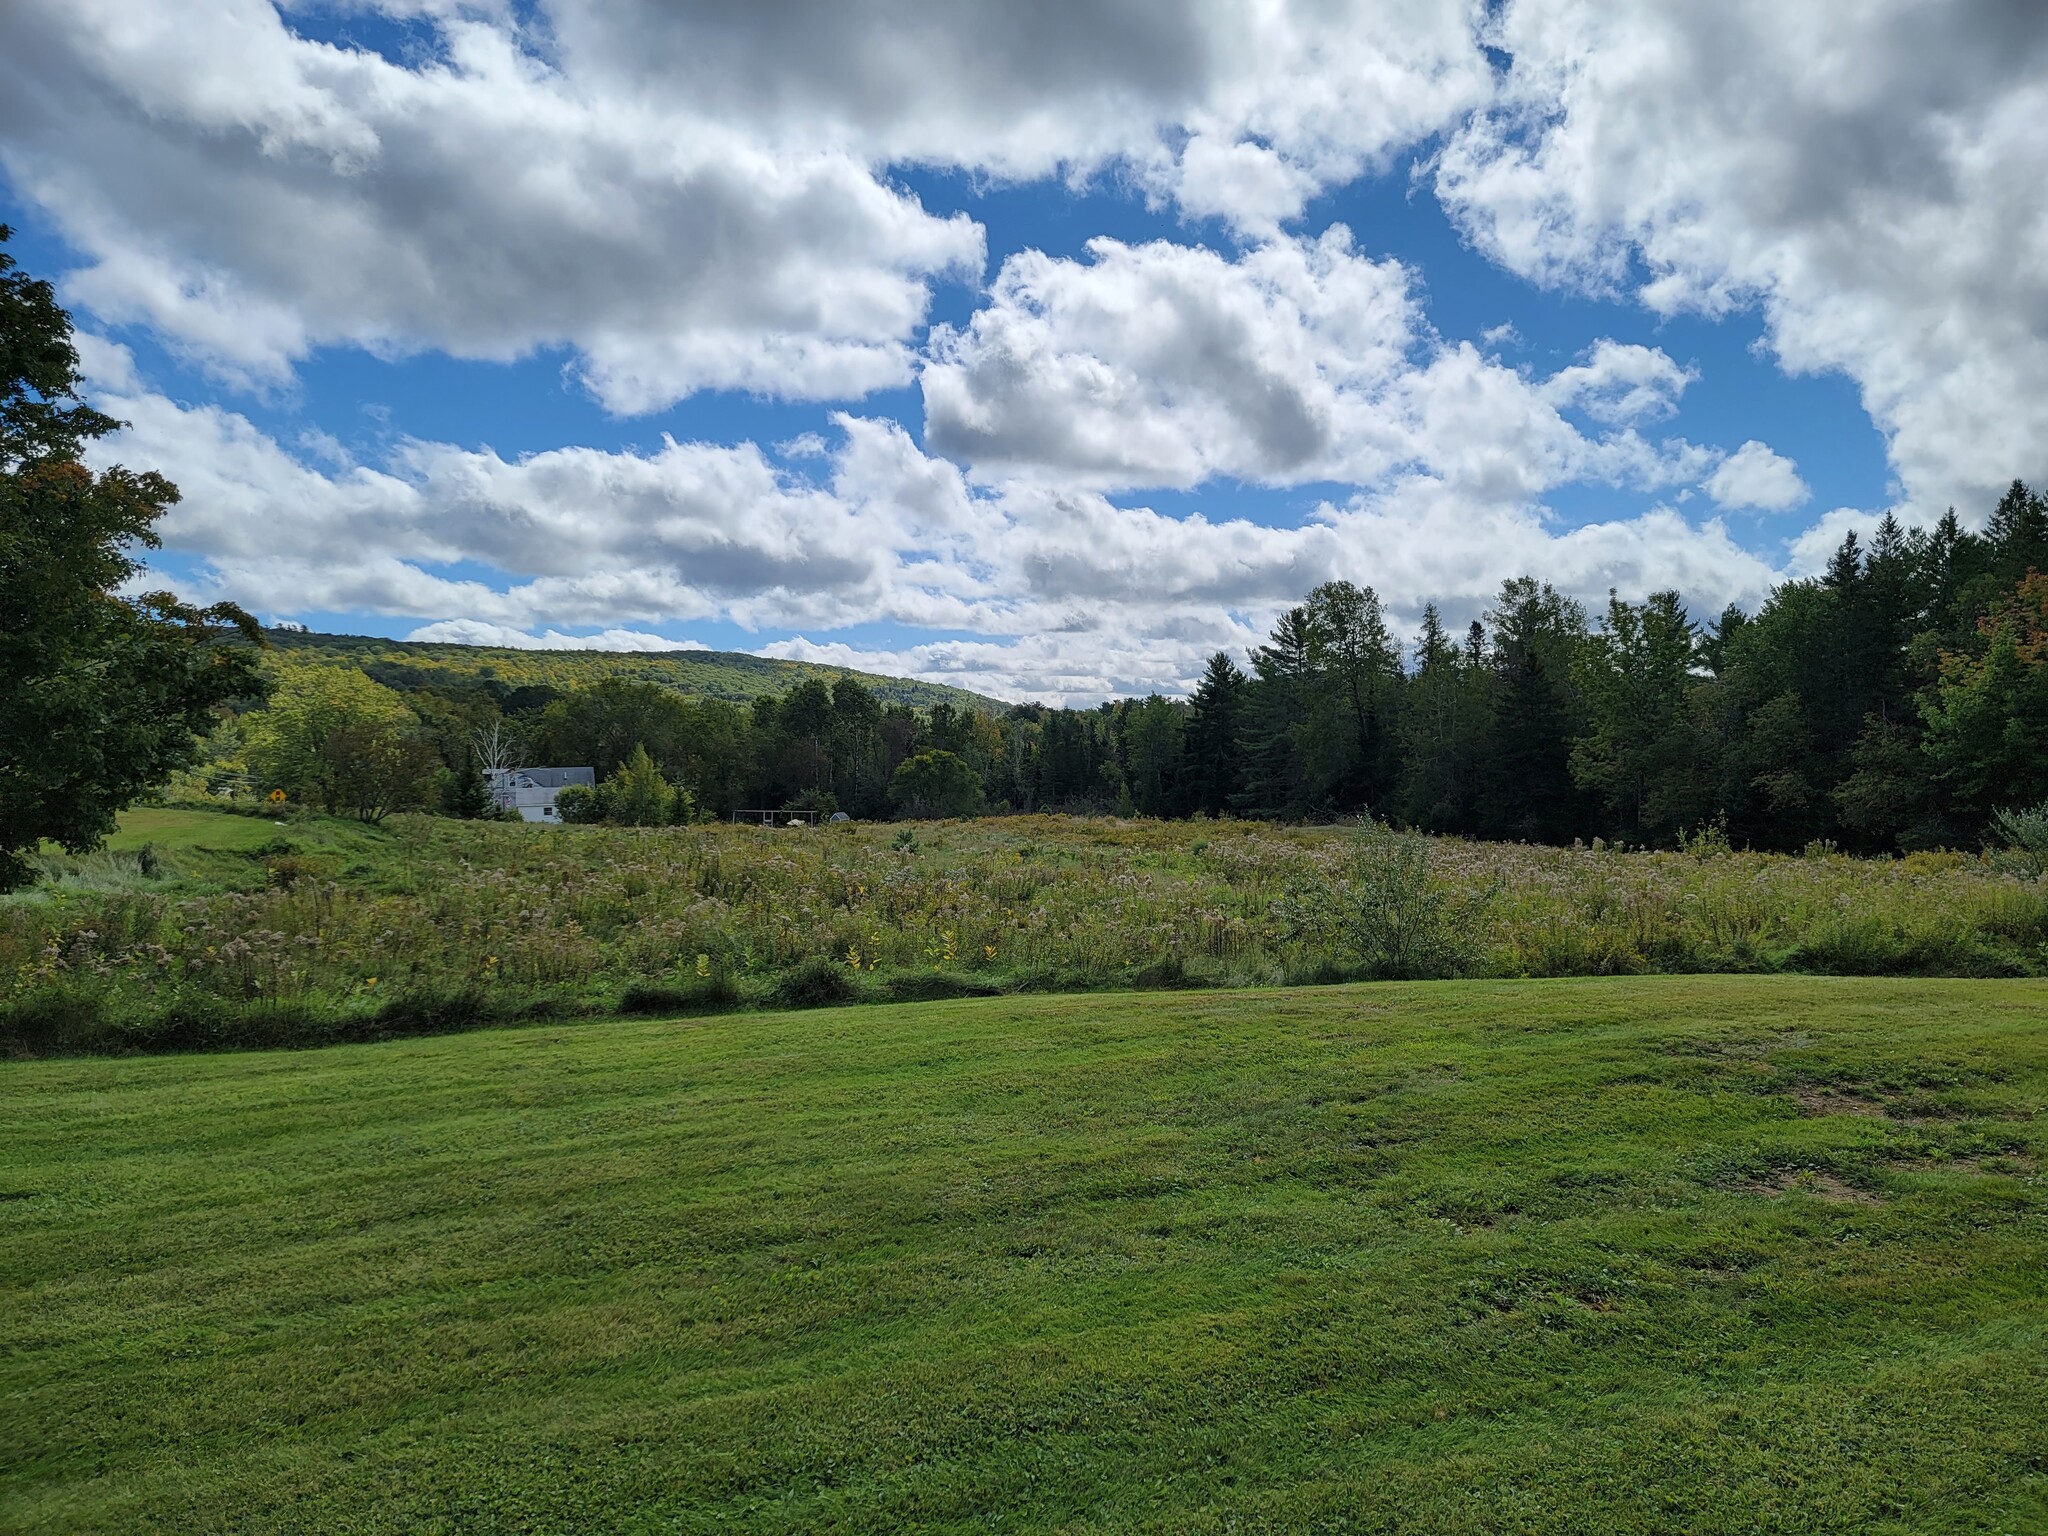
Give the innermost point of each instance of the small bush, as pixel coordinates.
(1163, 974)
(286, 870)
(1388, 919)
(578, 804)
(817, 983)
(427, 1011)
(1876, 946)
(2024, 833)
(709, 994)
(52, 1023)
(934, 986)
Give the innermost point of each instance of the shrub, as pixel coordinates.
(2024, 832)
(1387, 919)
(934, 986)
(286, 870)
(637, 795)
(1163, 974)
(55, 1022)
(579, 803)
(708, 994)
(430, 1011)
(817, 983)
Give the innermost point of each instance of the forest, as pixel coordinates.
(1898, 701)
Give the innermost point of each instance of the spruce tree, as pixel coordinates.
(1214, 736)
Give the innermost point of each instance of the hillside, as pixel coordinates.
(1647, 1255)
(732, 675)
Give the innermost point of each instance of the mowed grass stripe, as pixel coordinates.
(1680, 1253)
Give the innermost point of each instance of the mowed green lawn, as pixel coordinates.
(177, 831)
(1679, 1254)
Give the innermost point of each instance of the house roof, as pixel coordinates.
(549, 778)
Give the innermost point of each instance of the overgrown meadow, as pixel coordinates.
(225, 930)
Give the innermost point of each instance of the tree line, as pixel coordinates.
(1896, 701)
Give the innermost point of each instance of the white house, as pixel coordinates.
(531, 791)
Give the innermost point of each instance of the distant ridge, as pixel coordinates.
(732, 675)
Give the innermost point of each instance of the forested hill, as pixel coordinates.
(731, 675)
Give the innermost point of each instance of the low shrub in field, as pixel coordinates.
(1880, 946)
(1164, 974)
(934, 986)
(57, 1020)
(430, 924)
(817, 983)
(709, 994)
(1385, 917)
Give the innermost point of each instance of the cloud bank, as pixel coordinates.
(674, 199)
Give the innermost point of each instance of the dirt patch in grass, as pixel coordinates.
(2010, 1165)
(1812, 1181)
(1873, 1104)
(1838, 1101)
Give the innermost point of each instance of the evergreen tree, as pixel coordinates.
(2017, 533)
(1638, 750)
(1441, 733)
(469, 797)
(1356, 669)
(1987, 717)
(1536, 636)
(1215, 757)
(1277, 714)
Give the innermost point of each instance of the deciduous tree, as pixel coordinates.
(102, 696)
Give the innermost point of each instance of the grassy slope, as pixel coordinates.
(210, 851)
(700, 674)
(1447, 1257)
(174, 831)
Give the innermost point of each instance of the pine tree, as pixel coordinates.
(1277, 780)
(1537, 633)
(1436, 733)
(2017, 533)
(1215, 755)
(1356, 668)
(469, 797)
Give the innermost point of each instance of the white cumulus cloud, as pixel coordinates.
(1868, 177)
(1755, 478)
(252, 195)
(1300, 360)
(1041, 591)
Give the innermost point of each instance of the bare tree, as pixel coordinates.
(497, 747)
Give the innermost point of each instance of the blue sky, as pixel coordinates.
(556, 320)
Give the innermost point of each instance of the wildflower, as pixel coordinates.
(370, 981)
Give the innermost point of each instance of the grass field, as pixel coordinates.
(185, 935)
(1683, 1254)
(174, 831)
